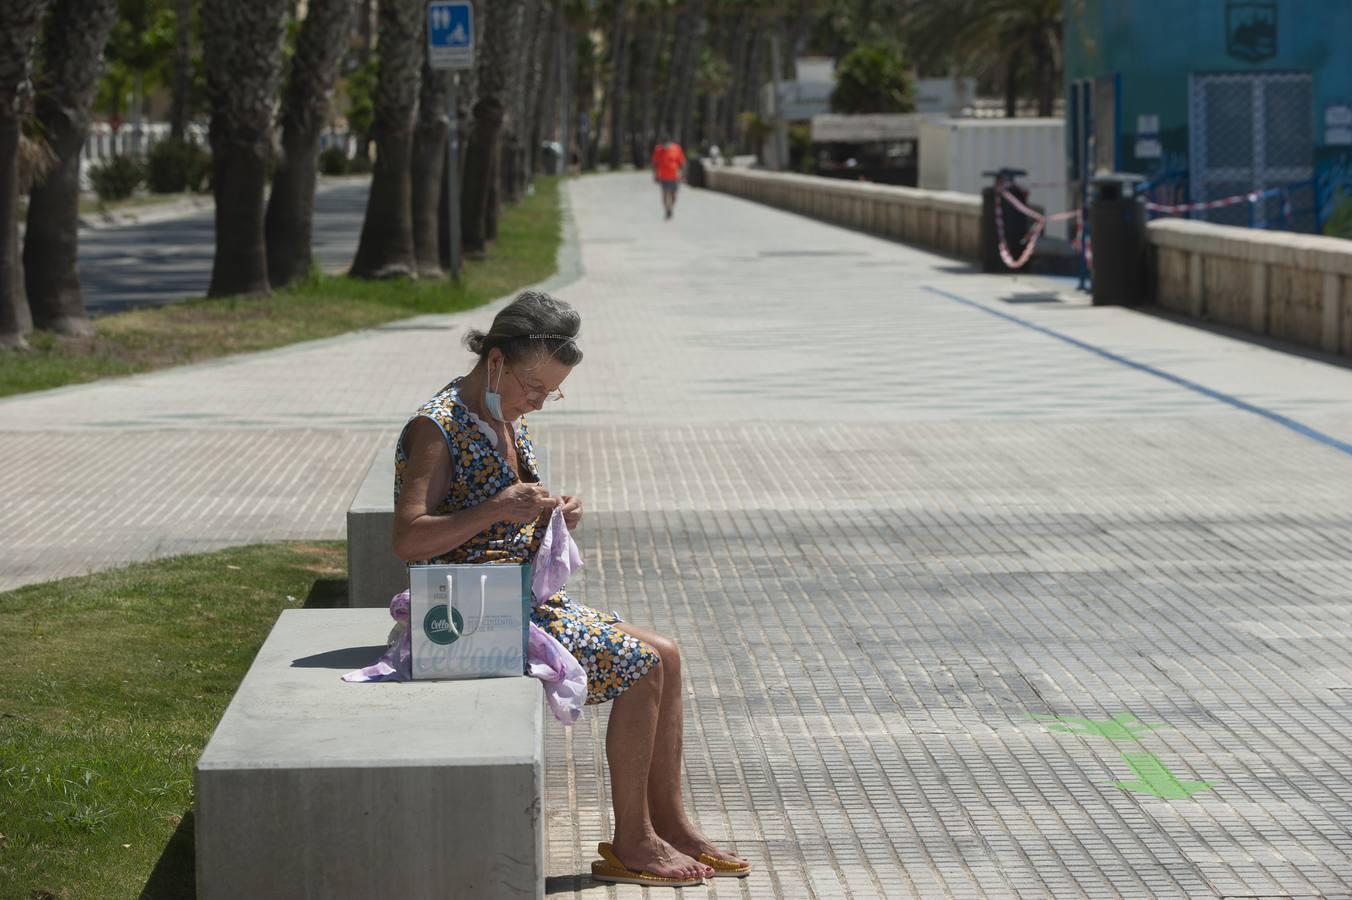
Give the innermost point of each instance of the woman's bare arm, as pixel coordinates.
(418, 532)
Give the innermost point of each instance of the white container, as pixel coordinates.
(954, 153)
(469, 621)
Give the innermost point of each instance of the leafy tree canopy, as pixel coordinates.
(873, 78)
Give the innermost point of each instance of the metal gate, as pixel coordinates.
(1251, 132)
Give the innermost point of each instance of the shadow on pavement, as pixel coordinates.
(569, 884)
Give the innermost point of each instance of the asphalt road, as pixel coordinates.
(165, 261)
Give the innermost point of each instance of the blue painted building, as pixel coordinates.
(1215, 98)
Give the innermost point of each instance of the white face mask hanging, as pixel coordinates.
(493, 399)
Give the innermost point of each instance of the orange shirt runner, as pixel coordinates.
(667, 161)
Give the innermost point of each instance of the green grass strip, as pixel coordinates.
(116, 682)
(194, 330)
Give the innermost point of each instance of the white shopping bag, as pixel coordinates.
(469, 621)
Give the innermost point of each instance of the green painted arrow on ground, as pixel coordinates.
(1154, 777)
(1121, 727)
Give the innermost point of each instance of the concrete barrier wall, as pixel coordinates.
(940, 220)
(1296, 287)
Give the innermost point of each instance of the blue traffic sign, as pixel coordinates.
(450, 34)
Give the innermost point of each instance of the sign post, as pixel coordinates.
(450, 46)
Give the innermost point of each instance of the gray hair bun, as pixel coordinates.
(532, 324)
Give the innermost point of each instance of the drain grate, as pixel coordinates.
(1032, 298)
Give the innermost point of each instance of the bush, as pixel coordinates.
(116, 179)
(873, 78)
(333, 161)
(358, 165)
(174, 165)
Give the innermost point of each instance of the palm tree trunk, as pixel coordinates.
(481, 154)
(676, 69)
(72, 58)
(365, 8)
(1048, 82)
(182, 86)
(798, 22)
(21, 19)
(429, 167)
(755, 69)
(640, 112)
(619, 82)
(685, 109)
(386, 247)
(493, 203)
(514, 178)
(1011, 87)
(541, 95)
(314, 69)
(242, 49)
(732, 101)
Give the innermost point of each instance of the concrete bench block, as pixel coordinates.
(374, 573)
(314, 788)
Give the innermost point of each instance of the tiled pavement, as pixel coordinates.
(970, 591)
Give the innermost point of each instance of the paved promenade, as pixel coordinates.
(982, 593)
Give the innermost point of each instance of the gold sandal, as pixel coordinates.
(725, 868)
(609, 868)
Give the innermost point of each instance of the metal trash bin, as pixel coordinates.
(1016, 224)
(1117, 220)
(694, 172)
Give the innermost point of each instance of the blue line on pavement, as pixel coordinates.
(1278, 418)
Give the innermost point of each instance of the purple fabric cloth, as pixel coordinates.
(555, 560)
(561, 675)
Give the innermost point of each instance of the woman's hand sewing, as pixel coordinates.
(523, 502)
(572, 511)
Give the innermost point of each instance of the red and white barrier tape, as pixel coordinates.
(1031, 238)
(1175, 208)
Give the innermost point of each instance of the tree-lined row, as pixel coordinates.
(269, 81)
(604, 77)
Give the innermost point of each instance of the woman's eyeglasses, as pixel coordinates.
(536, 393)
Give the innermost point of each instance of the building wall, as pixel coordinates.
(1155, 45)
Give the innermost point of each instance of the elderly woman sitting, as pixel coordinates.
(467, 491)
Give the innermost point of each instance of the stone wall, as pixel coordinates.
(1297, 287)
(940, 220)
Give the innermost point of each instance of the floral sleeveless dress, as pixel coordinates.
(612, 659)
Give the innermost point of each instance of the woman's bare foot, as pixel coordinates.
(685, 838)
(657, 857)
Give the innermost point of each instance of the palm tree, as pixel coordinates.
(512, 175)
(541, 95)
(651, 27)
(20, 18)
(619, 80)
(985, 35)
(429, 165)
(305, 108)
(713, 79)
(242, 49)
(72, 57)
(386, 247)
(182, 85)
(494, 65)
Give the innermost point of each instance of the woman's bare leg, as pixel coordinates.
(665, 805)
(629, 751)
